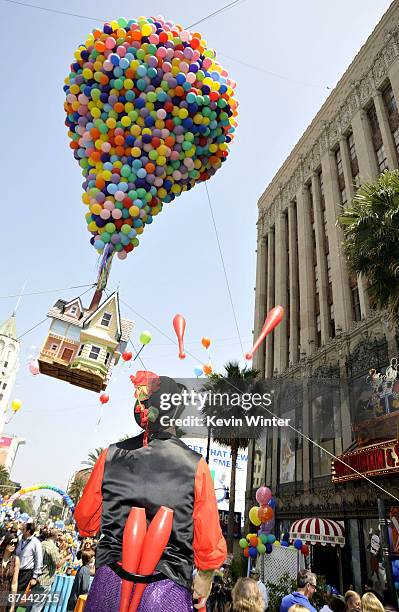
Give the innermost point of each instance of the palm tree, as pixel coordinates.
(92, 458)
(235, 381)
(4, 476)
(371, 231)
(76, 487)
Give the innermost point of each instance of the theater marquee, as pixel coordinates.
(375, 460)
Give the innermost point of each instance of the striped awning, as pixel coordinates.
(318, 531)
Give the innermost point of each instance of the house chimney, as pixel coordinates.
(95, 302)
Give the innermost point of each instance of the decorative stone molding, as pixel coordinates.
(361, 91)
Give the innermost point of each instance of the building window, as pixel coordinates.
(106, 320)
(350, 141)
(5, 364)
(382, 159)
(390, 101)
(326, 430)
(73, 310)
(332, 321)
(53, 347)
(94, 352)
(318, 329)
(4, 385)
(356, 311)
(338, 159)
(344, 199)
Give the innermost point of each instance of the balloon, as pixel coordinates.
(253, 516)
(269, 548)
(254, 541)
(126, 356)
(305, 549)
(207, 369)
(298, 544)
(252, 552)
(271, 538)
(286, 536)
(179, 325)
(16, 405)
(155, 541)
(145, 337)
(104, 398)
(246, 552)
(133, 540)
(284, 543)
(261, 548)
(277, 543)
(274, 317)
(263, 496)
(150, 113)
(34, 367)
(198, 371)
(243, 543)
(263, 538)
(265, 513)
(206, 342)
(272, 503)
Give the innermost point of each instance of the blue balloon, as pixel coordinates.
(298, 544)
(269, 548)
(198, 371)
(272, 503)
(284, 543)
(252, 551)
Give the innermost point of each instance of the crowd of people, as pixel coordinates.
(31, 557)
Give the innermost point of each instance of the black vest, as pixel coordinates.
(160, 474)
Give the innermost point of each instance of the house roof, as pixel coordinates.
(9, 328)
(57, 312)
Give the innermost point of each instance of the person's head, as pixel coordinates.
(87, 545)
(28, 529)
(247, 596)
(337, 603)
(389, 600)
(371, 603)
(297, 608)
(352, 600)
(50, 534)
(87, 556)
(306, 583)
(255, 575)
(9, 544)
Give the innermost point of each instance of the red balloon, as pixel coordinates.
(126, 356)
(246, 551)
(179, 324)
(265, 513)
(132, 547)
(274, 317)
(305, 549)
(155, 541)
(104, 398)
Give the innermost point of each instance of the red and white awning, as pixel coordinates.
(318, 531)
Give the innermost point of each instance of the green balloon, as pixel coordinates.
(261, 548)
(263, 538)
(145, 337)
(243, 543)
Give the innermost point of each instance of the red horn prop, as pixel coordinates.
(132, 547)
(274, 317)
(179, 324)
(155, 542)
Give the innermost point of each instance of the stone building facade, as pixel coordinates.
(329, 331)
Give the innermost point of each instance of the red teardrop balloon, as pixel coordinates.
(179, 324)
(274, 317)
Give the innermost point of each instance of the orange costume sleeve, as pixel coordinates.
(209, 543)
(88, 510)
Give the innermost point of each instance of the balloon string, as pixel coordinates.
(139, 352)
(101, 415)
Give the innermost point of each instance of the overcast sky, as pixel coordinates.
(284, 57)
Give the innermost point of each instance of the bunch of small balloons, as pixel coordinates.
(150, 113)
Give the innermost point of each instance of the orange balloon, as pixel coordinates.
(253, 541)
(265, 513)
(207, 369)
(206, 342)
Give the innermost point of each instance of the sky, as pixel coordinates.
(285, 57)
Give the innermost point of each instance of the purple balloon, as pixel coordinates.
(263, 496)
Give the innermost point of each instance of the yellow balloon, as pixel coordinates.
(276, 543)
(16, 405)
(253, 516)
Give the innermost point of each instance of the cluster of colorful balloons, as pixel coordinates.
(150, 113)
(298, 544)
(38, 487)
(254, 544)
(264, 513)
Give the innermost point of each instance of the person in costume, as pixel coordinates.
(157, 472)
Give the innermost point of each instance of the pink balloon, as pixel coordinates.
(263, 496)
(34, 367)
(117, 213)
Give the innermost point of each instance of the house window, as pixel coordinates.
(94, 352)
(4, 385)
(329, 268)
(73, 310)
(80, 350)
(382, 158)
(338, 159)
(390, 101)
(53, 347)
(5, 364)
(352, 147)
(106, 320)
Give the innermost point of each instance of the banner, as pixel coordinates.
(374, 460)
(224, 520)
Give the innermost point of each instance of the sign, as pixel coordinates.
(224, 521)
(375, 460)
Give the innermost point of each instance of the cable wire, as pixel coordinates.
(17, 295)
(221, 10)
(224, 268)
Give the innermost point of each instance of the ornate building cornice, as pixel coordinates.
(334, 118)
